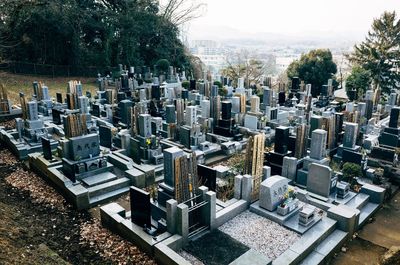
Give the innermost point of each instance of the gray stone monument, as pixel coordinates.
(319, 179)
(170, 155)
(272, 191)
(318, 144)
(205, 108)
(350, 135)
(145, 125)
(289, 167)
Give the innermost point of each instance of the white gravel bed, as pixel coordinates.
(189, 257)
(260, 234)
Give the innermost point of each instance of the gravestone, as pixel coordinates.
(105, 136)
(84, 105)
(235, 104)
(251, 122)
(155, 92)
(281, 98)
(350, 135)
(59, 97)
(226, 108)
(33, 111)
(190, 115)
(46, 146)
(319, 179)
(318, 144)
(272, 191)
(184, 135)
(140, 207)
(170, 114)
(207, 176)
(205, 108)
(289, 167)
(281, 139)
(394, 120)
(145, 125)
(170, 155)
(192, 85)
(255, 104)
(267, 96)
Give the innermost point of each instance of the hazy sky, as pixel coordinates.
(293, 16)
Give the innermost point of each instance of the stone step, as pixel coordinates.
(107, 187)
(359, 201)
(368, 210)
(326, 248)
(99, 179)
(307, 243)
(100, 199)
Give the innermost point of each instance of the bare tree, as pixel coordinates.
(246, 65)
(181, 11)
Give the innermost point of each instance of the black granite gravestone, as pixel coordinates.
(192, 85)
(207, 176)
(226, 109)
(351, 156)
(155, 92)
(281, 139)
(295, 84)
(394, 117)
(59, 97)
(105, 136)
(185, 94)
(184, 136)
(46, 146)
(140, 207)
(281, 98)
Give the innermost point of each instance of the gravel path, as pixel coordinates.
(260, 234)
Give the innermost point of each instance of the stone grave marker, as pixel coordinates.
(105, 136)
(46, 146)
(319, 179)
(140, 207)
(272, 191)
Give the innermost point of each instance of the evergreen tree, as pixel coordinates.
(359, 80)
(380, 52)
(315, 67)
(89, 32)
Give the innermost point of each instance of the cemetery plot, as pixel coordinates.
(216, 248)
(260, 234)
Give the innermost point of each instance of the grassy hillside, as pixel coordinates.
(23, 83)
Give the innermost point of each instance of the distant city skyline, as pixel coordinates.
(346, 18)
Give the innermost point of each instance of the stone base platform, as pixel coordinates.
(89, 192)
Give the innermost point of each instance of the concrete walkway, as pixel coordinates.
(375, 238)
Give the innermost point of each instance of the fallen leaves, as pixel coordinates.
(111, 246)
(8, 125)
(7, 158)
(37, 188)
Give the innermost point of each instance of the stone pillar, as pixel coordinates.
(210, 210)
(266, 172)
(182, 222)
(238, 187)
(203, 190)
(171, 215)
(247, 187)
